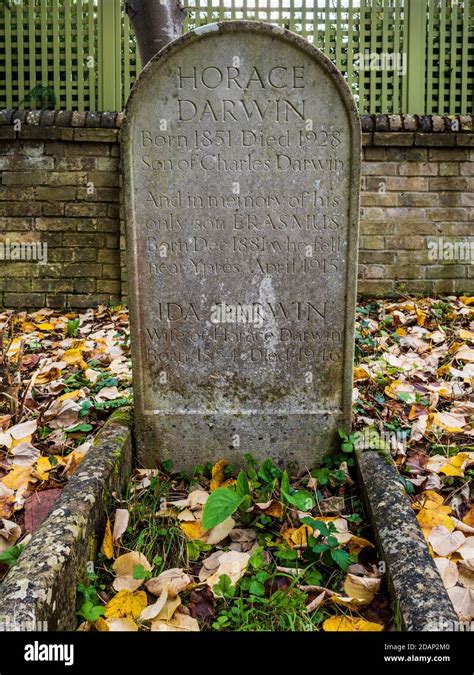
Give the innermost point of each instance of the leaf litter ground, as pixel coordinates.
(281, 554)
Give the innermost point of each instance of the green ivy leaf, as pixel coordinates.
(91, 612)
(285, 487)
(139, 572)
(242, 485)
(303, 500)
(11, 555)
(221, 504)
(341, 558)
(257, 588)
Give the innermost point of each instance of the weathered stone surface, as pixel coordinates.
(414, 580)
(39, 592)
(242, 159)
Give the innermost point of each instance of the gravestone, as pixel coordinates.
(241, 179)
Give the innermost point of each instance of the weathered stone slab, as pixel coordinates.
(242, 157)
(416, 587)
(39, 592)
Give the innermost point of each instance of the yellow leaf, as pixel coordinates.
(45, 326)
(125, 603)
(73, 357)
(217, 474)
(7, 505)
(469, 517)
(42, 469)
(433, 496)
(274, 509)
(466, 334)
(108, 544)
(48, 376)
(361, 373)
(429, 499)
(28, 327)
(17, 477)
(356, 544)
(193, 530)
(455, 464)
(74, 395)
(14, 347)
(347, 623)
(467, 300)
(297, 536)
(420, 317)
(101, 624)
(429, 518)
(449, 422)
(401, 331)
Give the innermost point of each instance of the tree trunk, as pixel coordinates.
(155, 22)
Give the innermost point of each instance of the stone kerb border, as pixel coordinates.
(39, 593)
(417, 591)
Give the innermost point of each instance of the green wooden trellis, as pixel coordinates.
(81, 54)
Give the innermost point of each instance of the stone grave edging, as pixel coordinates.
(418, 594)
(39, 593)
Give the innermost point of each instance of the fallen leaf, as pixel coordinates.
(126, 604)
(17, 478)
(152, 611)
(466, 576)
(122, 517)
(346, 623)
(193, 530)
(121, 625)
(463, 602)
(429, 518)
(361, 589)
(25, 454)
(466, 551)
(10, 532)
(201, 604)
(179, 622)
(448, 572)
(220, 532)
(233, 564)
(217, 474)
(107, 547)
(444, 542)
(124, 567)
(24, 430)
(173, 581)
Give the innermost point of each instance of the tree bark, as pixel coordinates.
(155, 22)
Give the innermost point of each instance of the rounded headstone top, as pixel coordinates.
(259, 29)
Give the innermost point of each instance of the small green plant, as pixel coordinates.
(324, 546)
(89, 607)
(72, 328)
(225, 501)
(302, 499)
(11, 555)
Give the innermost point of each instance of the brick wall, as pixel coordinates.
(417, 199)
(59, 184)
